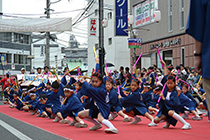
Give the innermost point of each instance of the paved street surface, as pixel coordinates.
(12, 129)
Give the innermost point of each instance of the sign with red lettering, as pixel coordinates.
(93, 26)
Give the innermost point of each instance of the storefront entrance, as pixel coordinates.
(168, 57)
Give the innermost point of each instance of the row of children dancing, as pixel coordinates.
(101, 100)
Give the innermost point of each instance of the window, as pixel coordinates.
(16, 37)
(20, 38)
(25, 39)
(182, 55)
(25, 61)
(110, 15)
(63, 50)
(4, 36)
(42, 50)
(170, 15)
(9, 58)
(16, 58)
(181, 14)
(96, 12)
(21, 59)
(110, 41)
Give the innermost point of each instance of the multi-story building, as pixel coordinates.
(57, 53)
(17, 50)
(116, 47)
(176, 47)
(76, 55)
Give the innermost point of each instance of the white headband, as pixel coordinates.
(68, 89)
(31, 89)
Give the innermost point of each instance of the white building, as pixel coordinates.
(116, 47)
(57, 53)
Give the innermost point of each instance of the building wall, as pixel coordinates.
(159, 33)
(11, 46)
(117, 52)
(39, 59)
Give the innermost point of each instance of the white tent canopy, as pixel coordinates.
(36, 25)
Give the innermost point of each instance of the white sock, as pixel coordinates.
(81, 122)
(92, 121)
(126, 116)
(108, 124)
(179, 118)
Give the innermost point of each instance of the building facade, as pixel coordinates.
(17, 50)
(57, 53)
(176, 47)
(116, 47)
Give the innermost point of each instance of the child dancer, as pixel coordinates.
(114, 102)
(72, 106)
(99, 108)
(188, 104)
(169, 106)
(134, 104)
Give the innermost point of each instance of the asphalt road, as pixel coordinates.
(12, 129)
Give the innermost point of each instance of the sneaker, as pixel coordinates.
(64, 121)
(52, 117)
(39, 115)
(11, 106)
(72, 123)
(137, 119)
(195, 118)
(206, 114)
(56, 119)
(186, 126)
(127, 119)
(34, 112)
(80, 125)
(166, 125)
(113, 116)
(185, 116)
(95, 127)
(111, 131)
(152, 124)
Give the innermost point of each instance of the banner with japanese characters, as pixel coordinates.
(144, 12)
(121, 17)
(93, 26)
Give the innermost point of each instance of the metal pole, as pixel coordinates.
(47, 52)
(134, 49)
(101, 37)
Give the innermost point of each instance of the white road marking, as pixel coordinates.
(14, 131)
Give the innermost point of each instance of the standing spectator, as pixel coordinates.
(23, 71)
(122, 76)
(199, 28)
(7, 80)
(115, 75)
(39, 70)
(46, 71)
(127, 74)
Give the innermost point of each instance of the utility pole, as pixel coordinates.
(47, 48)
(134, 49)
(101, 36)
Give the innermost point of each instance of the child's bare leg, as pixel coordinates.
(131, 113)
(153, 109)
(157, 119)
(148, 116)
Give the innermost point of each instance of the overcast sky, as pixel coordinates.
(35, 9)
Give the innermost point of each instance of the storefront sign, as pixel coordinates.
(121, 17)
(93, 27)
(166, 43)
(144, 12)
(134, 42)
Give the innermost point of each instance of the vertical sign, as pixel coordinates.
(121, 17)
(93, 27)
(3, 61)
(152, 9)
(138, 15)
(146, 12)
